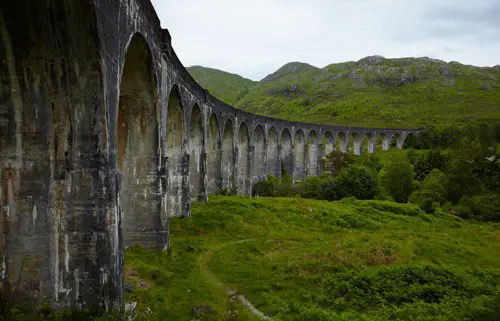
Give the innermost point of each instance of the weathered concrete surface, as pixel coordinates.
(104, 135)
(139, 197)
(175, 152)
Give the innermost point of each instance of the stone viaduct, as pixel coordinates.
(104, 135)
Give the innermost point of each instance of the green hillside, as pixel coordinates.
(223, 85)
(372, 92)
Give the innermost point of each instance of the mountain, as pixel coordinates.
(223, 85)
(371, 92)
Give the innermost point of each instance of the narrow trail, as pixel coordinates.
(203, 264)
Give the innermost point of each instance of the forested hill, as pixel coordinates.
(372, 92)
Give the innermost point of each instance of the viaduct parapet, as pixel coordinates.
(104, 135)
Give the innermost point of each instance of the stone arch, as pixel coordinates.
(342, 142)
(272, 153)
(213, 156)
(312, 154)
(228, 179)
(259, 145)
(368, 144)
(328, 143)
(409, 141)
(242, 166)
(52, 138)
(195, 154)
(300, 153)
(286, 152)
(175, 132)
(137, 157)
(394, 140)
(381, 142)
(356, 141)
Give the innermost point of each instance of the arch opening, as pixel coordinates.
(381, 143)
(394, 141)
(243, 156)
(341, 142)
(367, 145)
(259, 146)
(195, 155)
(175, 131)
(228, 179)
(300, 150)
(286, 153)
(411, 141)
(355, 143)
(328, 143)
(272, 153)
(312, 154)
(137, 156)
(213, 156)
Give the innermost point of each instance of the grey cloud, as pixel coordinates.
(480, 22)
(255, 38)
(488, 15)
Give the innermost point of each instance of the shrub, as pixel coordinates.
(395, 286)
(336, 161)
(370, 161)
(432, 192)
(396, 178)
(391, 207)
(285, 187)
(482, 207)
(465, 170)
(264, 188)
(358, 182)
(328, 190)
(353, 181)
(272, 186)
(310, 187)
(425, 162)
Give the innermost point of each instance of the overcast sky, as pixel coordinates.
(255, 37)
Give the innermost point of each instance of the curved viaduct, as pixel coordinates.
(104, 135)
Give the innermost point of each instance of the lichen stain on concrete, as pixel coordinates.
(34, 214)
(92, 251)
(11, 197)
(66, 252)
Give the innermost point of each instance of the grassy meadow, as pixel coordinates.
(298, 259)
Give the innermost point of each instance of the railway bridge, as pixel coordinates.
(104, 135)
